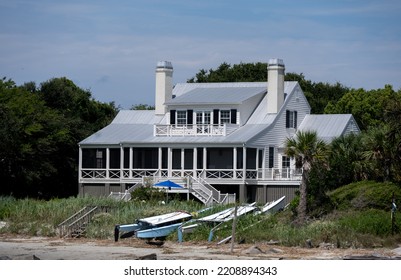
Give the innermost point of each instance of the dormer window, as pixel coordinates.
(203, 117)
(225, 116)
(181, 118)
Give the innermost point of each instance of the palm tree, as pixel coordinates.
(307, 149)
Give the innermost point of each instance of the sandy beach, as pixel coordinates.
(44, 248)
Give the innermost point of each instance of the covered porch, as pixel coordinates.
(216, 165)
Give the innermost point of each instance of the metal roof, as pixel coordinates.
(217, 95)
(115, 134)
(327, 126)
(137, 117)
(182, 88)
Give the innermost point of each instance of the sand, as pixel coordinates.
(45, 248)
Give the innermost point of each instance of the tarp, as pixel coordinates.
(168, 184)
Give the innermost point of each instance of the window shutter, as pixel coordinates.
(233, 116)
(295, 119)
(190, 115)
(287, 119)
(216, 116)
(172, 116)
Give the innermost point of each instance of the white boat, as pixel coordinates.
(158, 221)
(269, 208)
(157, 232)
(228, 214)
(273, 206)
(219, 218)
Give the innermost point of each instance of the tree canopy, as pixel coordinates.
(318, 94)
(40, 128)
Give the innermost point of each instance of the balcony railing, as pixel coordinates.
(267, 174)
(190, 130)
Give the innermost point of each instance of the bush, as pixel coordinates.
(365, 195)
(148, 194)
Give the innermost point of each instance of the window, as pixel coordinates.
(260, 158)
(291, 119)
(271, 157)
(203, 117)
(181, 118)
(285, 162)
(225, 116)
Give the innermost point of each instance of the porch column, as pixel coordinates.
(244, 163)
(159, 159)
(235, 163)
(169, 161)
(182, 161)
(107, 162)
(242, 193)
(205, 159)
(131, 161)
(121, 161)
(195, 163)
(80, 163)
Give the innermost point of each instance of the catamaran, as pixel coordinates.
(157, 227)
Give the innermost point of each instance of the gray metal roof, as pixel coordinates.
(117, 133)
(136, 126)
(327, 126)
(182, 88)
(137, 117)
(217, 95)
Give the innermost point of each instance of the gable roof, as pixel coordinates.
(328, 126)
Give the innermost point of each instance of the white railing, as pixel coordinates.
(190, 130)
(271, 174)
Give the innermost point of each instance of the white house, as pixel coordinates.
(213, 138)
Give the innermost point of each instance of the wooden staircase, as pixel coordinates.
(202, 190)
(208, 194)
(75, 226)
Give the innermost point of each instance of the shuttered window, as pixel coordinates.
(291, 119)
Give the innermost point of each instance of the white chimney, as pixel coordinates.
(275, 85)
(164, 86)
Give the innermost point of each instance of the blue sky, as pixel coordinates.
(112, 47)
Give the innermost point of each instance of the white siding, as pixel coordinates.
(277, 133)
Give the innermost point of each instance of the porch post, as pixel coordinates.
(169, 161)
(195, 163)
(244, 163)
(242, 193)
(182, 161)
(159, 160)
(235, 162)
(107, 162)
(205, 160)
(131, 161)
(121, 161)
(80, 163)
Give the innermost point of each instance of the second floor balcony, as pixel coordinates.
(194, 130)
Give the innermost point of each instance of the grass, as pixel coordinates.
(361, 218)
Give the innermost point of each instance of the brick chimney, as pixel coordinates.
(164, 86)
(275, 85)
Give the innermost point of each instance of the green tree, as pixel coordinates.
(30, 133)
(39, 132)
(318, 94)
(346, 161)
(82, 116)
(142, 107)
(308, 150)
(380, 152)
(367, 107)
